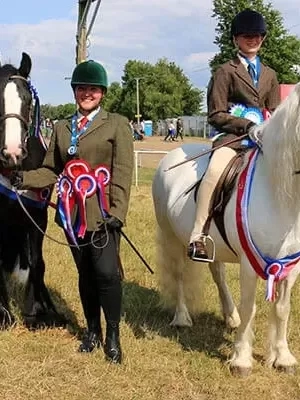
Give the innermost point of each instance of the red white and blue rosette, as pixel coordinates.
(84, 186)
(78, 183)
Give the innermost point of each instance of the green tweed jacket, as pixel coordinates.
(107, 140)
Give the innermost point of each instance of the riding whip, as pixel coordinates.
(136, 251)
(203, 153)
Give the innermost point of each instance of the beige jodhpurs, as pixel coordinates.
(218, 163)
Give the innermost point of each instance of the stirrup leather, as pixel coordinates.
(210, 257)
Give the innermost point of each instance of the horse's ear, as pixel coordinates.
(25, 66)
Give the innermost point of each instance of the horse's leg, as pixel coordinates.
(279, 353)
(6, 317)
(182, 316)
(38, 307)
(9, 245)
(178, 277)
(241, 361)
(229, 310)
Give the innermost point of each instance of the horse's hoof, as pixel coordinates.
(241, 372)
(49, 320)
(181, 319)
(6, 318)
(181, 324)
(286, 369)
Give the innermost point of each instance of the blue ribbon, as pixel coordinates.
(76, 133)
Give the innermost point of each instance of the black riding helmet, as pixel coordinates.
(248, 22)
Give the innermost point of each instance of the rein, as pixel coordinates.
(33, 128)
(13, 115)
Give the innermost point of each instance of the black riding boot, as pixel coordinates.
(90, 342)
(111, 298)
(93, 338)
(112, 347)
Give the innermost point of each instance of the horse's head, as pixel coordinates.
(15, 107)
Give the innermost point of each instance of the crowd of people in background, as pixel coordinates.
(173, 132)
(138, 130)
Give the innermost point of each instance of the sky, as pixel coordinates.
(145, 30)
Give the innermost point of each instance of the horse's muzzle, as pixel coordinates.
(13, 159)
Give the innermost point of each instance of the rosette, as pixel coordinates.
(85, 186)
(254, 114)
(237, 110)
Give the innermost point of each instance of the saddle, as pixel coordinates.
(222, 195)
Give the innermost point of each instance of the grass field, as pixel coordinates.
(159, 362)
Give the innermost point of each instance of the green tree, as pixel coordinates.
(112, 99)
(280, 51)
(57, 112)
(164, 91)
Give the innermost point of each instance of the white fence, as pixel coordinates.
(138, 161)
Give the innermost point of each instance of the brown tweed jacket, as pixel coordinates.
(231, 84)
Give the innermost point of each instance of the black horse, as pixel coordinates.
(20, 241)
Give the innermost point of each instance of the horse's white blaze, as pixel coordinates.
(13, 128)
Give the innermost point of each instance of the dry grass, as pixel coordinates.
(159, 362)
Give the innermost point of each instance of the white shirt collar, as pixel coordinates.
(244, 62)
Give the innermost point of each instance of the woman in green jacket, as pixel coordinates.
(90, 159)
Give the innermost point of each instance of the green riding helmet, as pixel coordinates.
(89, 73)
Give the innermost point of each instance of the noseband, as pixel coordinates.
(13, 115)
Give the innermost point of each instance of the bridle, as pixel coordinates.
(13, 115)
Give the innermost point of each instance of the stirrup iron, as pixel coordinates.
(212, 247)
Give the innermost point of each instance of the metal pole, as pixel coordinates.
(138, 101)
(136, 168)
(93, 17)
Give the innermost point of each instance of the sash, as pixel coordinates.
(270, 269)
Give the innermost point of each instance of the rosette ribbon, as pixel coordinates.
(273, 272)
(102, 176)
(66, 203)
(78, 183)
(84, 186)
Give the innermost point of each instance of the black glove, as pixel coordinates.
(16, 179)
(113, 223)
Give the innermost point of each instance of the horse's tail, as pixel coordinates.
(179, 278)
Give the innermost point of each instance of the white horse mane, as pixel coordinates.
(281, 152)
